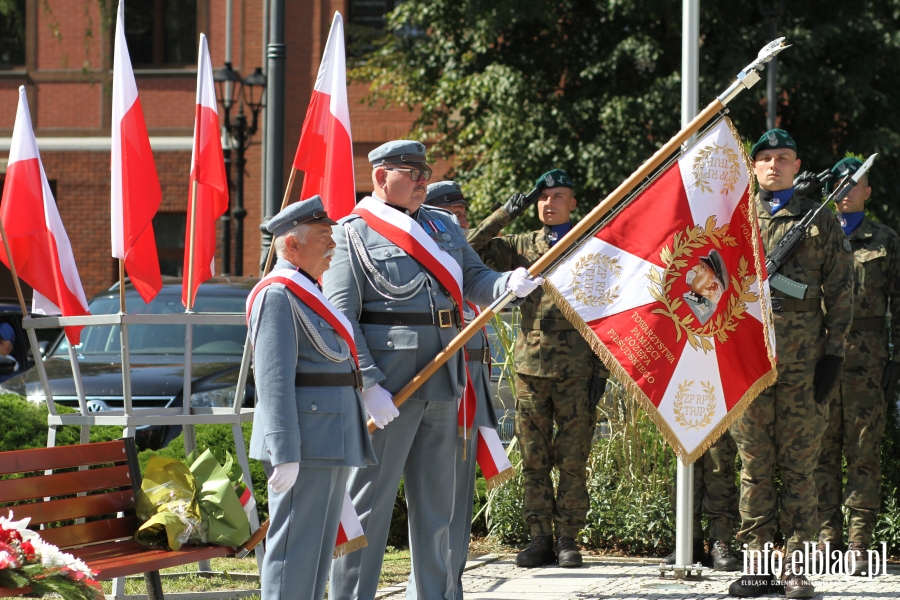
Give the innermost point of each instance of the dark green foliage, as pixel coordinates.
(24, 425)
(510, 89)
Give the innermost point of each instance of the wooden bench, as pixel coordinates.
(109, 479)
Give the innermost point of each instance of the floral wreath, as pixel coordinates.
(683, 246)
(683, 389)
(611, 265)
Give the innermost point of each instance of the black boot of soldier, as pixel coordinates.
(721, 557)
(751, 586)
(568, 553)
(700, 555)
(538, 554)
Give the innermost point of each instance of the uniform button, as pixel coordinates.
(434, 293)
(314, 407)
(390, 344)
(450, 244)
(321, 323)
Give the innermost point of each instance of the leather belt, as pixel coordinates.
(483, 355)
(796, 305)
(868, 324)
(352, 379)
(547, 324)
(442, 318)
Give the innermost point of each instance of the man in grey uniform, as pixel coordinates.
(399, 275)
(448, 196)
(309, 427)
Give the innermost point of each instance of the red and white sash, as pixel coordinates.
(312, 297)
(408, 235)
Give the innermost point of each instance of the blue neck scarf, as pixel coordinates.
(850, 221)
(776, 200)
(558, 231)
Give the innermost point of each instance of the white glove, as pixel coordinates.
(283, 477)
(520, 284)
(379, 403)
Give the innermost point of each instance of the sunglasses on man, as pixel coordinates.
(414, 174)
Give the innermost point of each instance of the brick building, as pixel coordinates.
(61, 51)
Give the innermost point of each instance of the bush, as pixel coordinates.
(24, 425)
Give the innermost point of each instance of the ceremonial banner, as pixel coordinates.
(492, 459)
(668, 295)
(208, 170)
(37, 239)
(136, 194)
(350, 535)
(325, 151)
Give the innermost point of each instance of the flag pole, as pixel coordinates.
(745, 80)
(284, 203)
(190, 296)
(12, 270)
(122, 285)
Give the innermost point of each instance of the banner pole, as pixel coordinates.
(284, 203)
(12, 270)
(745, 80)
(190, 295)
(690, 74)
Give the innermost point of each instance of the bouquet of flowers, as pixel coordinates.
(29, 565)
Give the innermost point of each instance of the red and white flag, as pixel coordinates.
(208, 170)
(325, 152)
(37, 239)
(492, 459)
(350, 535)
(136, 194)
(668, 294)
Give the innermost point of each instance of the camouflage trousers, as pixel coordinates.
(855, 428)
(540, 402)
(715, 490)
(781, 428)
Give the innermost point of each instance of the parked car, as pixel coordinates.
(157, 357)
(20, 359)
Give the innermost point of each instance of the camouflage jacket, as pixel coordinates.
(822, 261)
(876, 265)
(557, 351)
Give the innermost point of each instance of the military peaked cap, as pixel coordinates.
(310, 210)
(773, 139)
(445, 193)
(715, 262)
(399, 152)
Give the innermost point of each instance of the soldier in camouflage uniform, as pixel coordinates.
(559, 379)
(857, 405)
(783, 427)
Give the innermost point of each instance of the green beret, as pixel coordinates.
(844, 167)
(772, 139)
(554, 178)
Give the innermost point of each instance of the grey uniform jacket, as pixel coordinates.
(370, 273)
(315, 426)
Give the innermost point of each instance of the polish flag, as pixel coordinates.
(136, 194)
(37, 240)
(492, 459)
(208, 170)
(325, 152)
(350, 536)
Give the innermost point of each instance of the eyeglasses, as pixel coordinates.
(414, 174)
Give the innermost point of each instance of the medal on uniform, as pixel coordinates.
(552, 236)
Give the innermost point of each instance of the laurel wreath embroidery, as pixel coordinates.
(683, 246)
(612, 267)
(701, 160)
(678, 407)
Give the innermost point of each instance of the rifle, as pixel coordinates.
(795, 236)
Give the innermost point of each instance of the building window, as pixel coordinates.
(161, 33)
(168, 228)
(12, 33)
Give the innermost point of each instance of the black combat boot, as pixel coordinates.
(538, 554)
(796, 585)
(721, 557)
(751, 586)
(861, 563)
(700, 555)
(568, 553)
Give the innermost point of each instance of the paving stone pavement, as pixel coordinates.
(625, 579)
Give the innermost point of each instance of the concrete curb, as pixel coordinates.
(470, 564)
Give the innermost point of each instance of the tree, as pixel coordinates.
(510, 89)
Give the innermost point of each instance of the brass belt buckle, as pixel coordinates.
(778, 304)
(486, 357)
(445, 318)
(357, 375)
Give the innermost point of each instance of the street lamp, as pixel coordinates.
(231, 90)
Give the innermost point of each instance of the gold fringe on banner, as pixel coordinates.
(500, 478)
(350, 546)
(635, 390)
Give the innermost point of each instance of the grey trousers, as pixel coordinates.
(420, 446)
(303, 525)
